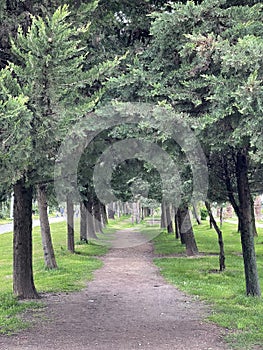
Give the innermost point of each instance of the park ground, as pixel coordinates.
(127, 304)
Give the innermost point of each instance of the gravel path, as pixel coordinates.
(127, 306)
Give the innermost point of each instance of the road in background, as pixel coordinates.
(9, 227)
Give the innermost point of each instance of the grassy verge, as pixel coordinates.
(225, 291)
(73, 272)
(5, 221)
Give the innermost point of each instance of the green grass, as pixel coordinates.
(5, 221)
(225, 292)
(74, 270)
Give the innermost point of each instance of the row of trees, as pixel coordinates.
(44, 90)
(205, 61)
(199, 60)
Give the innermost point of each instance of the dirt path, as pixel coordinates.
(127, 306)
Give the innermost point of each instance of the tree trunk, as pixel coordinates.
(136, 217)
(220, 237)
(145, 212)
(221, 216)
(187, 231)
(142, 213)
(196, 216)
(238, 226)
(169, 219)
(90, 221)
(176, 225)
(103, 214)
(70, 224)
(126, 208)
(257, 208)
(118, 209)
(179, 221)
(49, 255)
(246, 226)
(23, 282)
(253, 218)
(97, 215)
(111, 213)
(163, 216)
(83, 223)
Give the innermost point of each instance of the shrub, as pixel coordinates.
(203, 213)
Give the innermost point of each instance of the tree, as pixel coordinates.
(195, 63)
(49, 255)
(83, 223)
(14, 157)
(23, 284)
(70, 224)
(186, 231)
(218, 85)
(220, 237)
(46, 84)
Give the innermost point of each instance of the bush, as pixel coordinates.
(203, 213)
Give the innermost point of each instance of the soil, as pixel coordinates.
(127, 306)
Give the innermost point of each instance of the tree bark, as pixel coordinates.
(221, 216)
(220, 237)
(111, 213)
(103, 214)
(246, 225)
(97, 215)
(163, 216)
(187, 231)
(195, 212)
(253, 218)
(238, 226)
(145, 212)
(70, 224)
(118, 209)
(136, 217)
(169, 219)
(90, 221)
(49, 255)
(176, 225)
(23, 282)
(142, 213)
(257, 208)
(179, 221)
(83, 223)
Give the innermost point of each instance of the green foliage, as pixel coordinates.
(43, 93)
(15, 127)
(203, 213)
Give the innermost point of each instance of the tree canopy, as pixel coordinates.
(176, 87)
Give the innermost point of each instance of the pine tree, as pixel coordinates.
(46, 82)
(207, 62)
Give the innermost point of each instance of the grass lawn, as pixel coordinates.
(225, 292)
(73, 273)
(5, 221)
